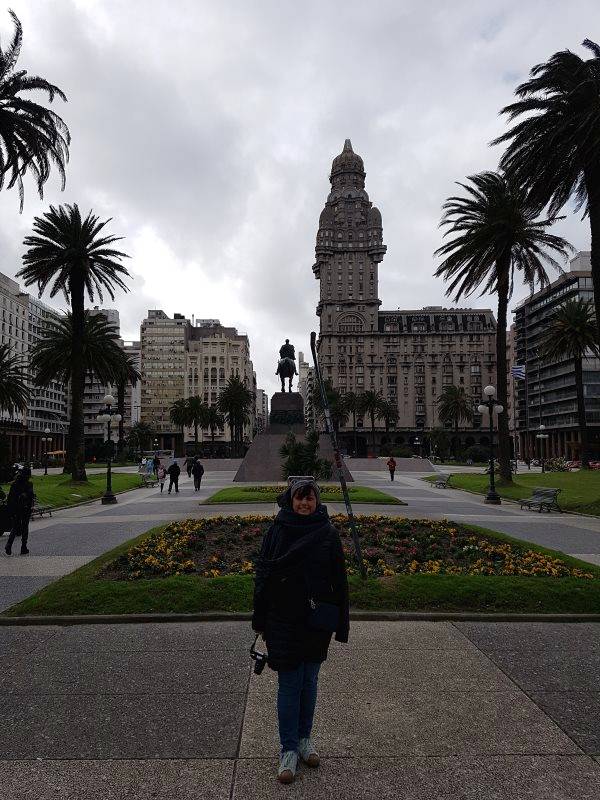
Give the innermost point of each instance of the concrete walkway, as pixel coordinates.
(74, 536)
(406, 710)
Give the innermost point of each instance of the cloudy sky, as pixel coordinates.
(206, 130)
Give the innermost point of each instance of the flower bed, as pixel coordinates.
(391, 546)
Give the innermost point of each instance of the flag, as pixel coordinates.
(518, 372)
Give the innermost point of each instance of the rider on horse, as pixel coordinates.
(286, 367)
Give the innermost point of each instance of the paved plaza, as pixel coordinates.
(419, 710)
(415, 710)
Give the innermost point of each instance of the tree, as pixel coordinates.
(180, 416)
(126, 374)
(214, 421)
(495, 232)
(439, 442)
(371, 405)
(140, 436)
(388, 412)
(338, 409)
(75, 258)
(52, 355)
(197, 415)
(14, 393)
(32, 138)
(553, 149)
(301, 458)
(573, 335)
(353, 405)
(455, 406)
(235, 402)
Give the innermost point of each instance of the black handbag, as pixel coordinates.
(323, 616)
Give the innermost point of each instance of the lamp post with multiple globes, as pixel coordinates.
(110, 419)
(46, 439)
(490, 405)
(540, 437)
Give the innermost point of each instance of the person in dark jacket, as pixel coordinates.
(391, 465)
(173, 472)
(188, 464)
(197, 472)
(19, 504)
(300, 572)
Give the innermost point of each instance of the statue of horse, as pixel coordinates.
(286, 368)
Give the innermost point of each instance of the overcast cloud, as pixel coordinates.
(207, 130)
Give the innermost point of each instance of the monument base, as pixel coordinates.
(263, 461)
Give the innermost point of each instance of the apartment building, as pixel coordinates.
(546, 396)
(406, 356)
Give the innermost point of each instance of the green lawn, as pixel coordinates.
(60, 490)
(82, 593)
(269, 494)
(580, 491)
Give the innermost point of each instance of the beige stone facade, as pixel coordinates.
(406, 356)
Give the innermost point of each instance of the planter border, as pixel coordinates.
(245, 616)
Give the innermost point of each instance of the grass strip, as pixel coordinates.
(269, 494)
(60, 490)
(82, 593)
(580, 491)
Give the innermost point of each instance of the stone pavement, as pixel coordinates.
(74, 536)
(415, 710)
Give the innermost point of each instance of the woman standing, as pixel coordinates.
(300, 600)
(19, 504)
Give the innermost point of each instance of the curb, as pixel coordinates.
(246, 616)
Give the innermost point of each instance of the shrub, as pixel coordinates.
(556, 465)
(301, 457)
(477, 453)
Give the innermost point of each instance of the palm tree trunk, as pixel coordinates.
(593, 190)
(354, 432)
(501, 376)
(76, 456)
(196, 435)
(456, 439)
(583, 432)
(372, 415)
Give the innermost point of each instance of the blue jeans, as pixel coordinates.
(296, 700)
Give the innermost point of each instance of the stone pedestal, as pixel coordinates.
(287, 408)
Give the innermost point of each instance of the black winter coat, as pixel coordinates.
(281, 594)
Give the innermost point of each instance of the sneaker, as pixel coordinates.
(25, 552)
(287, 766)
(308, 754)
(7, 552)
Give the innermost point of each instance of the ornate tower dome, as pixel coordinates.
(347, 161)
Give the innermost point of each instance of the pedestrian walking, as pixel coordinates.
(188, 464)
(19, 504)
(162, 477)
(174, 471)
(391, 465)
(300, 600)
(197, 472)
(156, 463)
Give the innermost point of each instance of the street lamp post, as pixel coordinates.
(540, 437)
(490, 405)
(46, 439)
(109, 419)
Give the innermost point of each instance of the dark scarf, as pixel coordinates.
(294, 536)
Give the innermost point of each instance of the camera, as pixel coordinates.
(260, 659)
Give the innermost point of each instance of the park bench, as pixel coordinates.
(38, 510)
(443, 481)
(544, 499)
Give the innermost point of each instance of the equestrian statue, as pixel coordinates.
(286, 368)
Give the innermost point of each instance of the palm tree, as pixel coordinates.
(214, 421)
(495, 232)
(235, 401)
(127, 373)
(14, 393)
(371, 405)
(179, 415)
(455, 406)
(139, 436)
(52, 359)
(553, 149)
(197, 415)
(389, 414)
(353, 405)
(573, 335)
(338, 410)
(71, 255)
(32, 138)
